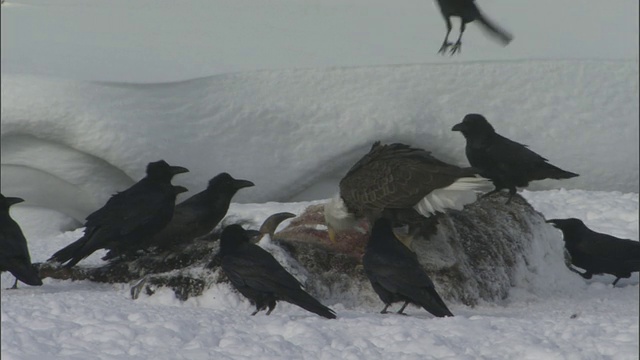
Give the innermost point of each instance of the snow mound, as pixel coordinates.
(85, 140)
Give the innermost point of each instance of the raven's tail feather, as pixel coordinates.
(68, 252)
(307, 302)
(434, 304)
(494, 30)
(549, 171)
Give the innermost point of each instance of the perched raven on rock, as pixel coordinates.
(468, 12)
(598, 253)
(14, 253)
(507, 163)
(396, 275)
(258, 276)
(129, 218)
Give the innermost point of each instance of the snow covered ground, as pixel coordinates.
(80, 320)
(288, 93)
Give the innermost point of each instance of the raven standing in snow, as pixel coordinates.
(598, 253)
(468, 12)
(14, 253)
(129, 217)
(396, 275)
(258, 276)
(507, 163)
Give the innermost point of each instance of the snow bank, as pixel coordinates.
(295, 132)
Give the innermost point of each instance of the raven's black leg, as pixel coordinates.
(272, 305)
(402, 308)
(15, 285)
(446, 43)
(458, 45)
(616, 281)
(384, 311)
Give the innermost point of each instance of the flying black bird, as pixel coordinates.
(468, 12)
(507, 163)
(129, 217)
(199, 214)
(259, 277)
(14, 254)
(404, 183)
(598, 253)
(396, 275)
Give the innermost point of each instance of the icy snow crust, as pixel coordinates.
(296, 132)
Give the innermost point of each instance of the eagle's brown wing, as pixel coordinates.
(395, 176)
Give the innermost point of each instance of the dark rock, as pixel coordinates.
(479, 253)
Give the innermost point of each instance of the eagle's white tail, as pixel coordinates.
(455, 196)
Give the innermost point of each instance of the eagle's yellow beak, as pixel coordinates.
(332, 234)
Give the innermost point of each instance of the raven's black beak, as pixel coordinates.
(175, 170)
(239, 184)
(458, 127)
(179, 189)
(13, 200)
(553, 222)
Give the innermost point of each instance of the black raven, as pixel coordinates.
(403, 182)
(129, 217)
(199, 214)
(467, 11)
(507, 163)
(258, 276)
(396, 275)
(598, 253)
(14, 253)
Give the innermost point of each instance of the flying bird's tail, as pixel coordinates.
(25, 272)
(494, 30)
(307, 302)
(455, 196)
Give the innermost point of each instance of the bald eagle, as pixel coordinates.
(400, 182)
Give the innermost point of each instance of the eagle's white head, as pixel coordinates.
(338, 217)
